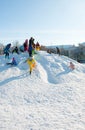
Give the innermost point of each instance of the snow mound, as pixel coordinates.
(51, 98)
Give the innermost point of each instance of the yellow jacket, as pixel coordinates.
(38, 48)
(31, 63)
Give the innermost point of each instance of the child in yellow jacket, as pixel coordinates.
(31, 62)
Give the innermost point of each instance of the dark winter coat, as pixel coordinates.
(6, 49)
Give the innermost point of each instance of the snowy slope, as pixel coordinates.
(52, 98)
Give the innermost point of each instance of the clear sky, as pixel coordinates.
(48, 21)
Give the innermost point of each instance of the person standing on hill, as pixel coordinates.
(58, 50)
(25, 45)
(31, 43)
(7, 50)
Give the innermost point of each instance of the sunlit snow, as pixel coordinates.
(51, 98)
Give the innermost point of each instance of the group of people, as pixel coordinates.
(30, 48)
(27, 46)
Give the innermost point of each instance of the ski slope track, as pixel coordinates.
(51, 98)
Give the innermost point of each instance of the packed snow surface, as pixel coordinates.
(51, 98)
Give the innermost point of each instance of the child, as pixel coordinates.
(15, 50)
(72, 66)
(13, 62)
(31, 62)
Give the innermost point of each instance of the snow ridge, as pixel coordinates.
(51, 98)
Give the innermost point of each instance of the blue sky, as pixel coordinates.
(48, 21)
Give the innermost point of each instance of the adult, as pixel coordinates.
(58, 50)
(25, 45)
(7, 50)
(31, 43)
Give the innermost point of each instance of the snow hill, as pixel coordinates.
(51, 98)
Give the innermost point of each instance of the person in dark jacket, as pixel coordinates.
(7, 50)
(13, 62)
(15, 50)
(58, 50)
(31, 42)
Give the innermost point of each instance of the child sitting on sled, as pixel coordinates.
(13, 62)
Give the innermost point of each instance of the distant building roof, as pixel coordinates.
(83, 43)
(66, 47)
